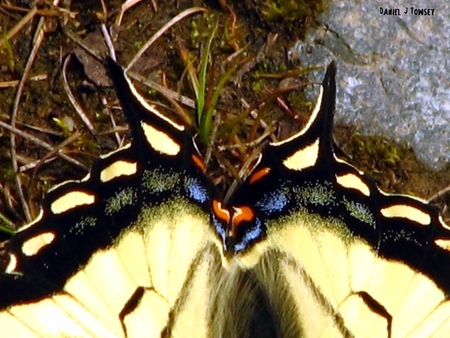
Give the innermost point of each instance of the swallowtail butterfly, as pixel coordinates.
(307, 247)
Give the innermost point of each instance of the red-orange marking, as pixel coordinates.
(199, 162)
(241, 214)
(221, 212)
(256, 176)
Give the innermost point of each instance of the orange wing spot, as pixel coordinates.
(241, 214)
(221, 212)
(259, 174)
(199, 163)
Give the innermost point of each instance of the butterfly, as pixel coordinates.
(308, 246)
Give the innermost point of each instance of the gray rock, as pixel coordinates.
(394, 72)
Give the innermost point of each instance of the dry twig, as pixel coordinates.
(27, 18)
(38, 38)
(161, 31)
(74, 101)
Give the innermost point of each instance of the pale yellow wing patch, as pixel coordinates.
(16, 327)
(362, 260)
(353, 181)
(322, 254)
(298, 242)
(420, 298)
(193, 319)
(407, 211)
(160, 141)
(435, 325)
(164, 253)
(388, 282)
(71, 200)
(342, 268)
(361, 320)
(131, 251)
(303, 158)
(81, 287)
(177, 241)
(173, 241)
(118, 169)
(150, 316)
(111, 277)
(33, 245)
(59, 316)
(407, 295)
(335, 260)
(319, 322)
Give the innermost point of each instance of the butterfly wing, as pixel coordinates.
(123, 250)
(349, 259)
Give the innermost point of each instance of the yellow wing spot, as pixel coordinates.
(11, 268)
(34, 244)
(353, 181)
(71, 200)
(303, 158)
(407, 211)
(117, 169)
(160, 141)
(443, 243)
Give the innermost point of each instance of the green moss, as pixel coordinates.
(380, 150)
(291, 12)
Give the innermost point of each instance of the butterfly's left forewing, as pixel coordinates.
(124, 250)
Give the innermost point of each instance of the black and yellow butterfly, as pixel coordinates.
(308, 246)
